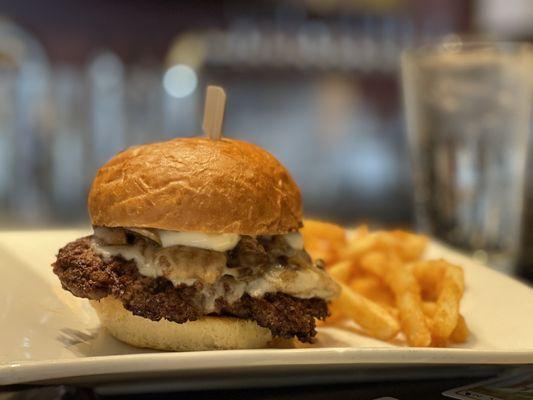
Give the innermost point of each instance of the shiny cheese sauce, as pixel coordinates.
(205, 262)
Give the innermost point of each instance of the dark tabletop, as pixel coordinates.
(401, 390)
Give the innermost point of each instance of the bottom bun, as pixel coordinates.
(208, 333)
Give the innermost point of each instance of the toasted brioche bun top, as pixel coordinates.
(196, 185)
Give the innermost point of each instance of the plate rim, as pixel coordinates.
(216, 360)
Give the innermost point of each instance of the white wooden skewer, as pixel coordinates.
(215, 102)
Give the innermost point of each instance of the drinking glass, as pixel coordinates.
(468, 114)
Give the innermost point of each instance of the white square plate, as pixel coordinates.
(48, 335)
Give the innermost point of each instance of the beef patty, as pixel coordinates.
(86, 274)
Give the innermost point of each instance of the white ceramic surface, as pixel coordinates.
(46, 334)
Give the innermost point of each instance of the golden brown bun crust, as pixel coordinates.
(208, 333)
(196, 185)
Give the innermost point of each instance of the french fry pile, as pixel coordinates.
(386, 285)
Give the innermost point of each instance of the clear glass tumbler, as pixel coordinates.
(468, 116)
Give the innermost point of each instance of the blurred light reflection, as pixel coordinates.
(180, 81)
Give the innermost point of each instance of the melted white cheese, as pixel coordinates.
(216, 241)
(210, 241)
(189, 266)
(295, 240)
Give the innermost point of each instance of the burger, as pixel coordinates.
(196, 247)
